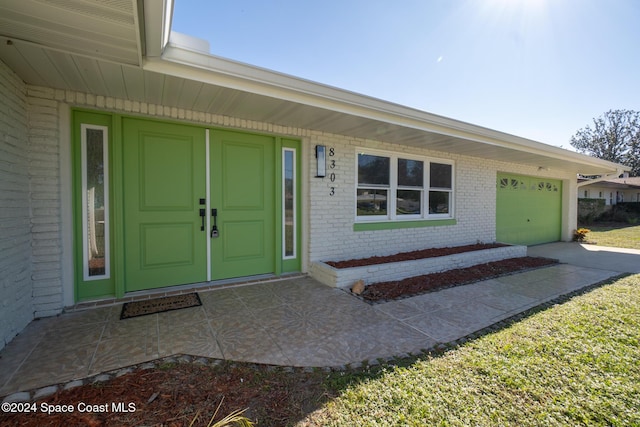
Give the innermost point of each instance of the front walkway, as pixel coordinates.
(294, 322)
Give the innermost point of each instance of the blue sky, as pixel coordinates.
(540, 69)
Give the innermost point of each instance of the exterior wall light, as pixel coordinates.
(321, 155)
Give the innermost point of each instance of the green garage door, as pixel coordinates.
(528, 209)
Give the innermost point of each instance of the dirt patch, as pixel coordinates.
(413, 255)
(387, 291)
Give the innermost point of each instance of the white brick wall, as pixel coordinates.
(330, 234)
(16, 308)
(332, 237)
(44, 174)
(346, 277)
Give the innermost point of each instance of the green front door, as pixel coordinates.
(146, 192)
(528, 209)
(242, 194)
(164, 180)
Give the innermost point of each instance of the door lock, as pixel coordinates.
(203, 213)
(214, 229)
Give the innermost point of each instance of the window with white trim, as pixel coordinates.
(95, 202)
(394, 186)
(289, 203)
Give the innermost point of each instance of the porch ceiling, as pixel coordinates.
(103, 48)
(107, 30)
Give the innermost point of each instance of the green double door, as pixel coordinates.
(180, 181)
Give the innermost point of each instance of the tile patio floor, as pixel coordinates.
(293, 322)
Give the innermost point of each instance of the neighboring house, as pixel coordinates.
(130, 162)
(612, 190)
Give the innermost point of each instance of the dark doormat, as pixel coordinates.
(158, 305)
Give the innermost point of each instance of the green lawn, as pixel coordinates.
(616, 236)
(577, 363)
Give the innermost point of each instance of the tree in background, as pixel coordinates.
(614, 137)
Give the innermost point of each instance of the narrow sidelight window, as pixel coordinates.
(289, 203)
(95, 202)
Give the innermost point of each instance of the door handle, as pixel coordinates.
(214, 229)
(203, 213)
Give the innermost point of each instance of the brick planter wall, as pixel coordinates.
(345, 277)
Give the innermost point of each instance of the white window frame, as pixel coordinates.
(374, 187)
(85, 223)
(423, 190)
(393, 188)
(295, 204)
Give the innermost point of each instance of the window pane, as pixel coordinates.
(440, 175)
(372, 202)
(408, 202)
(289, 206)
(438, 202)
(373, 170)
(95, 203)
(410, 173)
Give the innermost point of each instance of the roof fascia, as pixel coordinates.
(138, 17)
(600, 179)
(610, 182)
(207, 68)
(156, 25)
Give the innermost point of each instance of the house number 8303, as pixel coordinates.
(332, 176)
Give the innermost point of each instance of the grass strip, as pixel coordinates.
(618, 237)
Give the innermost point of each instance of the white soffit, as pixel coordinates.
(263, 95)
(106, 30)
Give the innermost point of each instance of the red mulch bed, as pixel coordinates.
(176, 394)
(386, 291)
(413, 255)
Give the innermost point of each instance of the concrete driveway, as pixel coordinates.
(590, 256)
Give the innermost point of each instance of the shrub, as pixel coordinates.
(590, 209)
(580, 234)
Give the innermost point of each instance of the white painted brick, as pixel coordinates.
(40, 92)
(15, 234)
(45, 275)
(47, 313)
(344, 278)
(330, 232)
(41, 292)
(46, 301)
(474, 206)
(44, 171)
